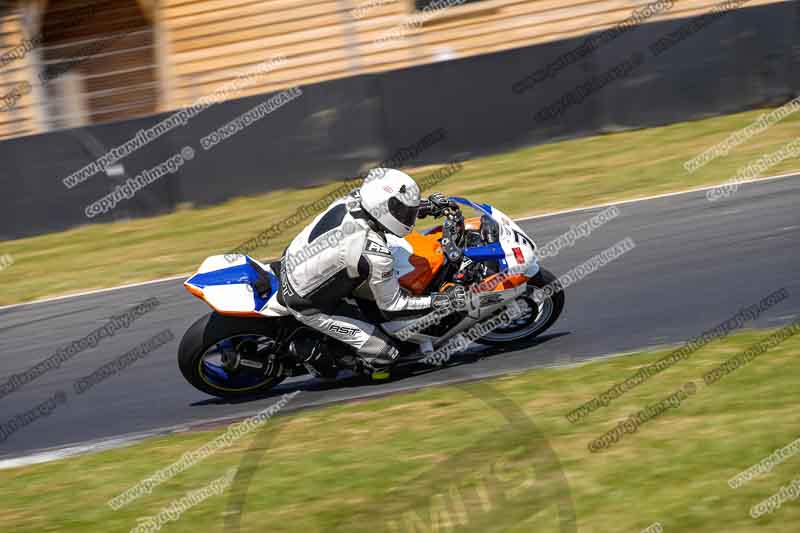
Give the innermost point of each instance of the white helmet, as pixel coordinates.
(392, 198)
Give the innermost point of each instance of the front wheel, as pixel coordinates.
(213, 350)
(537, 317)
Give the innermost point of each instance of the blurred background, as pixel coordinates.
(82, 77)
(537, 107)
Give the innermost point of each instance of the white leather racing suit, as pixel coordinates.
(337, 256)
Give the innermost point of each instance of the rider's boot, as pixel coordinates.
(381, 374)
(380, 366)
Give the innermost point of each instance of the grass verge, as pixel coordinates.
(474, 456)
(533, 180)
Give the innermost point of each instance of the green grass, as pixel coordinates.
(528, 181)
(479, 449)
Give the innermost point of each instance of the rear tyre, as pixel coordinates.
(208, 353)
(540, 315)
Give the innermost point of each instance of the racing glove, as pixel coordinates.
(454, 297)
(433, 206)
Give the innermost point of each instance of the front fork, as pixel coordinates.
(486, 304)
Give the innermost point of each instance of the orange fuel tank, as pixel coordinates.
(427, 259)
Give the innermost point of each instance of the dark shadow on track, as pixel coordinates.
(352, 381)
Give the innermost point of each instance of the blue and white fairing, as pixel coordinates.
(228, 286)
(515, 250)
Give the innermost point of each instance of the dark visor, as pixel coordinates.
(402, 212)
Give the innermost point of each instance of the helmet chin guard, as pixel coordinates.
(392, 198)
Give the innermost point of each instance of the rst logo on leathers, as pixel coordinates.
(350, 332)
(376, 247)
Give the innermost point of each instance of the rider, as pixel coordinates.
(343, 254)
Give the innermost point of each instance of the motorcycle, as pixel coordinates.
(245, 346)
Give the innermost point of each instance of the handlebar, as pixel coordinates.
(453, 233)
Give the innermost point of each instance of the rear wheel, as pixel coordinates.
(536, 317)
(226, 356)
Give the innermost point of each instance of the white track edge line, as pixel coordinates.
(125, 440)
(522, 219)
(94, 291)
(795, 173)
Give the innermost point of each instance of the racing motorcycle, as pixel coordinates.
(247, 344)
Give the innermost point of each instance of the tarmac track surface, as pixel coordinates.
(695, 264)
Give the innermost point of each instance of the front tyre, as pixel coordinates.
(538, 316)
(211, 352)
